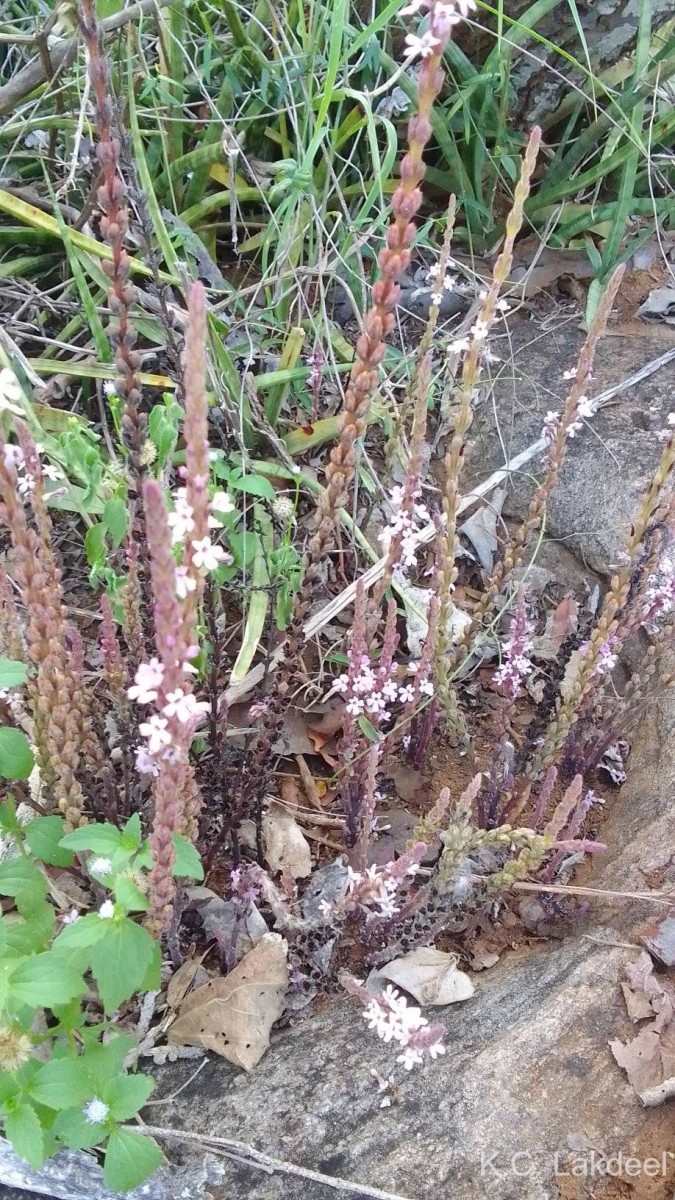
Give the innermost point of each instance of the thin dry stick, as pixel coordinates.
(599, 893)
(255, 1158)
(370, 577)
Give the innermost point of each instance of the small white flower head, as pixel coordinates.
(283, 509)
(570, 374)
(95, 1111)
(71, 917)
(421, 47)
(109, 388)
(13, 457)
(459, 346)
(49, 471)
(181, 520)
(107, 910)
(184, 706)
(147, 681)
(100, 866)
(480, 330)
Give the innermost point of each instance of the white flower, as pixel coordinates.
(222, 502)
(570, 374)
(671, 418)
(406, 694)
(480, 330)
(427, 688)
(10, 393)
(145, 763)
(584, 408)
(100, 866)
(109, 388)
(71, 917)
(147, 680)
(354, 707)
(13, 457)
(184, 707)
(459, 346)
(107, 910)
(49, 471)
(422, 47)
(184, 583)
(156, 732)
(95, 1111)
(410, 1058)
(206, 556)
(181, 520)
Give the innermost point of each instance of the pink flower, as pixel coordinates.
(157, 734)
(181, 520)
(147, 680)
(184, 583)
(184, 706)
(145, 763)
(421, 47)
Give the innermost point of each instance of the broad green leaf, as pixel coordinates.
(8, 1086)
(368, 729)
(22, 1127)
(254, 485)
(116, 520)
(132, 834)
(94, 545)
(102, 839)
(127, 1094)
(16, 756)
(43, 980)
(86, 931)
(129, 1159)
(43, 836)
(120, 961)
(12, 673)
(17, 875)
(129, 895)
(30, 933)
(187, 860)
(62, 1083)
(75, 1131)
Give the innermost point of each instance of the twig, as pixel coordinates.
(602, 893)
(62, 55)
(316, 623)
(255, 1158)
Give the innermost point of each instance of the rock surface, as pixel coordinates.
(607, 465)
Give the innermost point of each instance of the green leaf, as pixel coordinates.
(130, 1158)
(44, 836)
(75, 1131)
(120, 962)
(94, 545)
(187, 861)
(16, 756)
(62, 1083)
(132, 833)
(8, 1086)
(12, 673)
(254, 485)
(127, 1094)
(368, 729)
(24, 1131)
(116, 520)
(129, 895)
(18, 875)
(32, 934)
(44, 979)
(102, 839)
(8, 817)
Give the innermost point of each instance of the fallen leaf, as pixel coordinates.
(223, 922)
(416, 603)
(637, 1004)
(182, 980)
(559, 625)
(286, 847)
(659, 306)
(233, 1014)
(327, 885)
(660, 941)
(431, 976)
(649, 1058)
(481, 529)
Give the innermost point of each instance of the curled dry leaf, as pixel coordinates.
(182, 980)
(649, 1058)
(431, 976)
(222, 920)
(286, 847)
(233, 1014)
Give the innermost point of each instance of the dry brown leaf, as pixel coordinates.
(286, 847)
(637, 1004)
(181, 981)
(649, 1058)
(431, 976)
(559, 625)
(233, 1014)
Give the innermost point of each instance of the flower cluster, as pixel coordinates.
(206, 554)
(405, 524)
(367, 693)
(516, 662)
(394, 1020)
(660, 594)
(180, 705)
(25, 483)
(584, 411)
(373, 888)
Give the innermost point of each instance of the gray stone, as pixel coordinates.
(608, 463)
